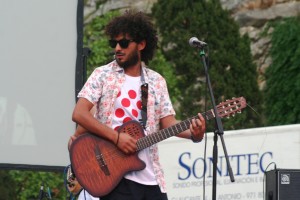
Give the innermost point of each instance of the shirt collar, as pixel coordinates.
(117, 68)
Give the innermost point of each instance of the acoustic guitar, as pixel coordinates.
(99, 165)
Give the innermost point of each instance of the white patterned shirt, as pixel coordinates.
(102, 88)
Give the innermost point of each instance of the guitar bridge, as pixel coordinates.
(101, 161)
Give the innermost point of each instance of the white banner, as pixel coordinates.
(251, 153)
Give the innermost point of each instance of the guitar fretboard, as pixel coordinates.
(163, 134)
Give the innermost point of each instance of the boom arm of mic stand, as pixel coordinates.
(218, 131)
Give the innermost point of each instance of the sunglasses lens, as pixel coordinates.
(123, 43)
(112, 43)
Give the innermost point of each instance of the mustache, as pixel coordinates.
(119, 53)
(113, 53)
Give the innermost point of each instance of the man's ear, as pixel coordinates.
(142, 45)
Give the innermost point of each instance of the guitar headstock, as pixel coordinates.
(231, 107)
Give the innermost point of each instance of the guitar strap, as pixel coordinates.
(144, 97)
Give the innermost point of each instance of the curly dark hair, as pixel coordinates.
(139, 26)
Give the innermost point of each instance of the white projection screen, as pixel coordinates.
(38, 50)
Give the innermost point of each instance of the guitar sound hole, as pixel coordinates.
(133, 131)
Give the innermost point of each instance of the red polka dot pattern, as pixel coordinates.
(128, 103)
(119, 113)
(132, 94)
(139, 105)
(125, 102)
(126, 119)
(135, 113)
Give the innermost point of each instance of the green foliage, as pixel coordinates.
(95, 39)
(25, 185)
(7, 186)
(283, 76)
(231, 69)
(28, 184)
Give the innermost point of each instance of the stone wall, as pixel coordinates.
(251, 15)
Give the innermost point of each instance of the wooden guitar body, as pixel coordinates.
(99, 165)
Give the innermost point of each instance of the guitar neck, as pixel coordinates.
(163, 134)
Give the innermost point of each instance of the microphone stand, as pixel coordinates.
(218, 131)
(41, 193)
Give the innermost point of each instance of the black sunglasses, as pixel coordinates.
(123, 43)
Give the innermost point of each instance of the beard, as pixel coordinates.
(133, 59)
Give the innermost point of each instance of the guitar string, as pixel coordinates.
(114, 153)
(209, 114)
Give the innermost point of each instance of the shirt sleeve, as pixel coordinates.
(165, 101)
(92, 89)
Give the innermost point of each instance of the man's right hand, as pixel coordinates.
(126, 143)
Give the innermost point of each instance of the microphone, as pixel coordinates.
(194, 42)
